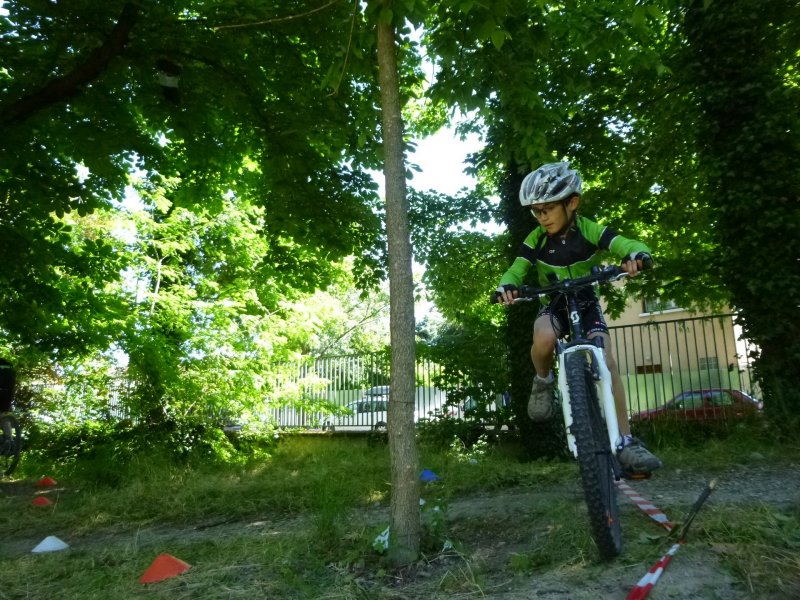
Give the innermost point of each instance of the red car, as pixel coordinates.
(704, 405)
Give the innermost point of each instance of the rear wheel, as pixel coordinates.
(10, 444)
(595, 460)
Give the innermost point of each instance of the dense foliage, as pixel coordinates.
(684, 138)
(179, 178)
(258, 117)
(174, 176)
(744, 57)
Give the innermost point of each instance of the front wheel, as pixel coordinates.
(595, 460)
(10, 444)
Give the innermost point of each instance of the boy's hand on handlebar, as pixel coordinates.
(637, 262)
(505, 294)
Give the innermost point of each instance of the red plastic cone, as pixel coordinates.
(41, 501)
(164, 567)
(46, 482)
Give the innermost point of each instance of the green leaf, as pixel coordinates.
(466, 6)
(498, 38)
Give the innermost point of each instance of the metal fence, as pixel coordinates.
(349, 393)
(657, 361)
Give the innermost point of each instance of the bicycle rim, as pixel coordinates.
(9, 448)
(594, 457)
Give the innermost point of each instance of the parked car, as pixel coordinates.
(704, 405)
(371, 412)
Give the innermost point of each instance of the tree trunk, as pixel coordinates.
(540, 439)
(405, 518)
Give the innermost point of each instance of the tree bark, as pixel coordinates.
(405, 515)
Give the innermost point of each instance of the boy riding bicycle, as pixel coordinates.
(568, 245)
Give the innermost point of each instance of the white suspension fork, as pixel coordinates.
(604, 394)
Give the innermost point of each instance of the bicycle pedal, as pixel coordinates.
(636, 475)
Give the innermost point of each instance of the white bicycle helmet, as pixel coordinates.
(549, 183)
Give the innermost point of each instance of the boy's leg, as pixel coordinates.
(540, 403)
(544, 345)
(617, 389)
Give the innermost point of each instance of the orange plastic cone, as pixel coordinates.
(46, 482)
(41, 501)
(164, 567)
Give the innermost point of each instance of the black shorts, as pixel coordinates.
(592, 317)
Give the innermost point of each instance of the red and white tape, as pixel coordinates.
(647, 507)
(646, 583)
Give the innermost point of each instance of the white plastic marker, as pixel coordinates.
(50, 544)
(646, 583)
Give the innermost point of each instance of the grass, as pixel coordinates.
(761, 546)
(301, 522)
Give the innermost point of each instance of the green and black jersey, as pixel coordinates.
(570, 256)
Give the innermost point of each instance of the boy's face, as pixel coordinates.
(554, 216)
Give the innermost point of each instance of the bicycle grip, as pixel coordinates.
(647, 260)
(500, 289)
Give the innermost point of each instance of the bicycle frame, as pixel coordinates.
(589, 409)
(593, 347)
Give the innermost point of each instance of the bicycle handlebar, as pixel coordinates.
(603, 275)
(599, 275)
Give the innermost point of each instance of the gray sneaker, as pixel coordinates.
(540, 404)
(635, 458)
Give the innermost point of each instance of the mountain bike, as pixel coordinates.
(587, 405)
(10, 445)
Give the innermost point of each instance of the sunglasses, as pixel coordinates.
(543, 210)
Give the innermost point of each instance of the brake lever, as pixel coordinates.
(619, 276)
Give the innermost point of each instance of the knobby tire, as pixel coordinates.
(595, 461)
(9, 448)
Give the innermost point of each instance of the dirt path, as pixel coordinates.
(695, 573)
(738, 485)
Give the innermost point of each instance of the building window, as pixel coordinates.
(648, 369)
(652, 305)
(708, 363)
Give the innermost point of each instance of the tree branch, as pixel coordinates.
(69, 85)
(347, 52)
(277, 19)
(366, 319)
